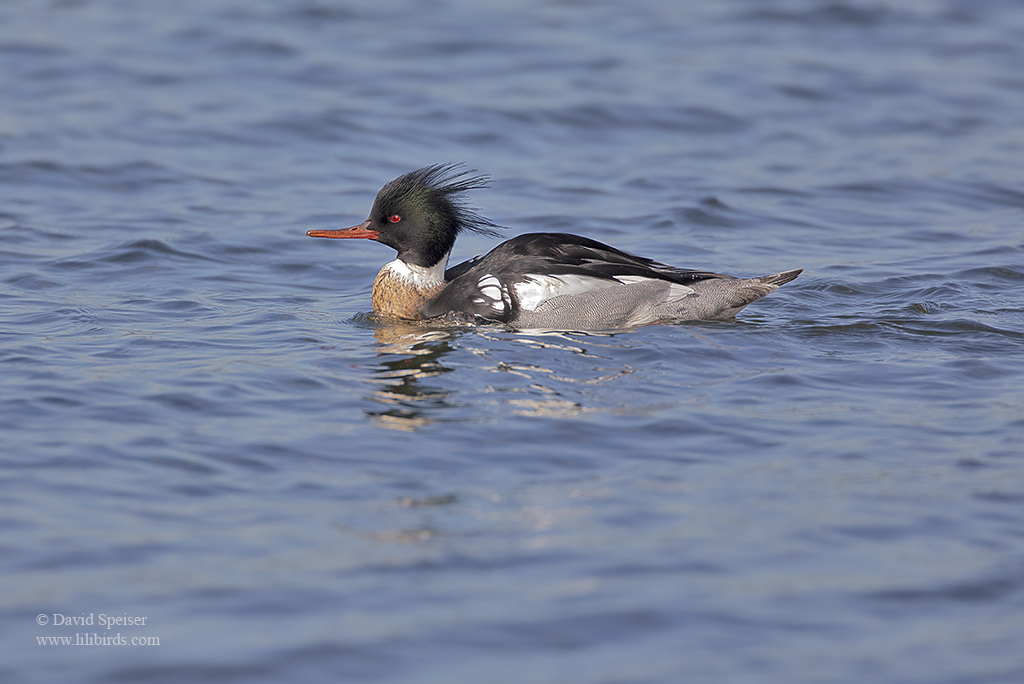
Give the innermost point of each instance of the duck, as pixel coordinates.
(534, 281)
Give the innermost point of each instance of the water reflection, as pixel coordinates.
(413, 355)
(554, 375)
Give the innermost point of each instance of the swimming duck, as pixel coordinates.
(545, 281)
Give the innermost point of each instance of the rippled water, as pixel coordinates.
(202, 426)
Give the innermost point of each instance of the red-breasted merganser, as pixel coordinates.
(547, 281)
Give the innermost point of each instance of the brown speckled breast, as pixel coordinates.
(394, 295)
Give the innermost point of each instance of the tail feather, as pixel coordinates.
(780, 278)
(723, 298)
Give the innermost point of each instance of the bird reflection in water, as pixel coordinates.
(414, 354)
(411, 354)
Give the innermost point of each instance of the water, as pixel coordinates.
(201, 426)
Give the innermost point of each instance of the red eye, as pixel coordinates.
(395, 218)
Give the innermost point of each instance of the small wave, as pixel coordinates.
(124, 177)
(621, 117)
(134, 252)
(31, 281)
(183, 402)
(825, 14)
(971, 591)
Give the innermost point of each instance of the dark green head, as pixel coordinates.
(421, 213)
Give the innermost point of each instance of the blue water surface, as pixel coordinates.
(201, 424)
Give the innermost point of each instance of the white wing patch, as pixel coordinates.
(494, 290)
(535, 289)
(630, 280)
(677, 292)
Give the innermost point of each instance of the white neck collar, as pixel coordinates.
(420, 276)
